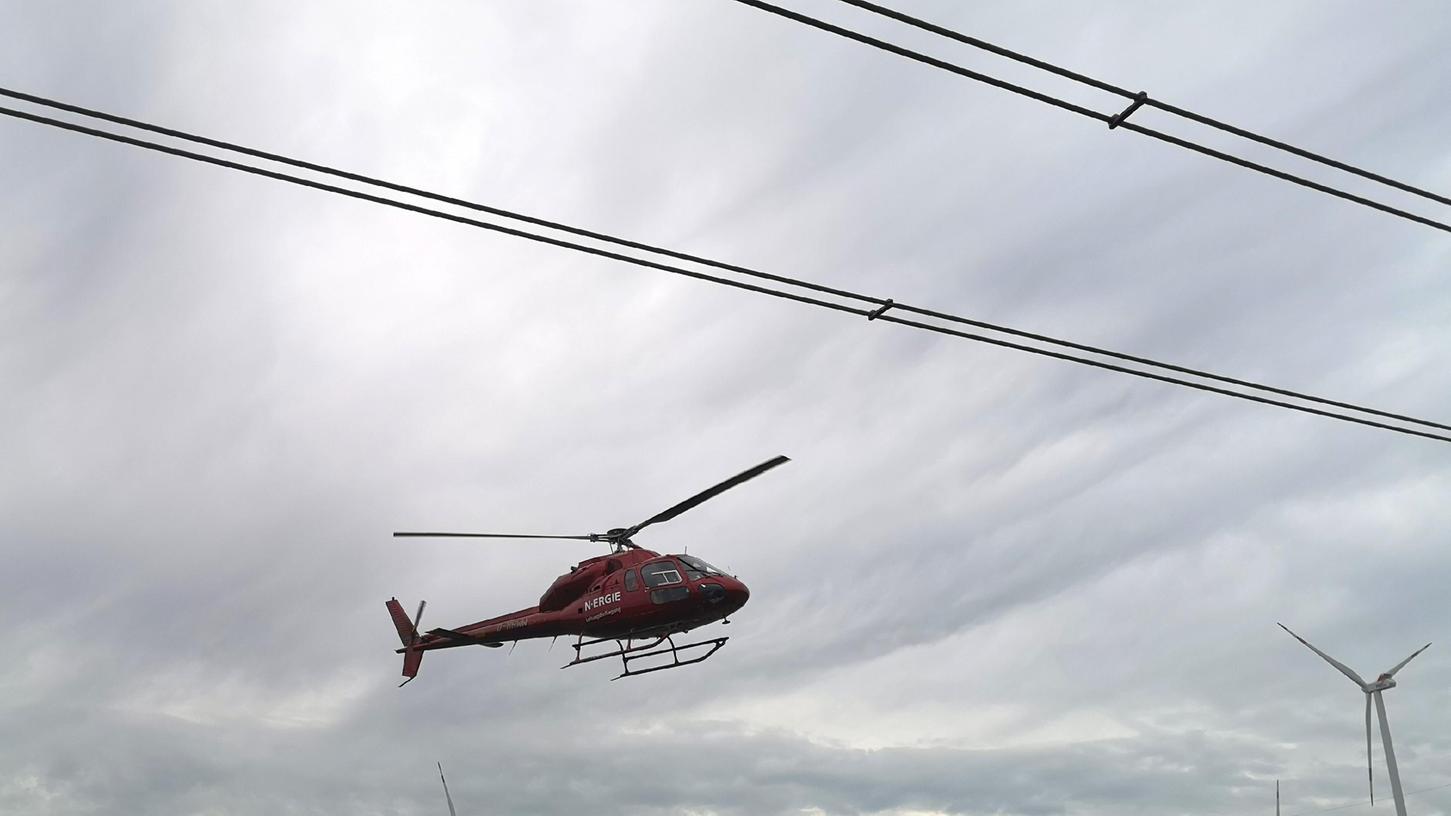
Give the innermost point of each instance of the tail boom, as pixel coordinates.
(525, 624)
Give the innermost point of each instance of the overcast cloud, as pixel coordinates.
(987, 583)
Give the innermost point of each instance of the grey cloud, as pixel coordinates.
(986, 584)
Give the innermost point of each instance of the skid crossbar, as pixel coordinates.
(628, 653)
(674, 651)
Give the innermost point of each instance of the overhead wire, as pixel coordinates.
(401, 188)
(730, 267)
(1112, 120)
(883, 304)
(1149, 101)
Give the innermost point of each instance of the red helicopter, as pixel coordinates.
(628, 595)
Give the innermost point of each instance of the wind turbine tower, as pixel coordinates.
(1372, 690)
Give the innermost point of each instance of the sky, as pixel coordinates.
(987, 583)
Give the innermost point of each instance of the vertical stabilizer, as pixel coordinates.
(408, 634)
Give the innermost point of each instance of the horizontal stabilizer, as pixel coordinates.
(461, 639)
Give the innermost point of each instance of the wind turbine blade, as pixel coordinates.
(1390, 752)
(1369, 775)
(1401, 665)
(1344, 669)
(445, 790)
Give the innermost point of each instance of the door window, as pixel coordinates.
(661, 573)
(670, 594)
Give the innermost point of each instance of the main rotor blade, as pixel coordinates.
(445, 790)
(1344, 669)
(489, 535)
(1369, 774)
(1401, 665)
(706, 495)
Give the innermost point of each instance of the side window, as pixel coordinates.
(660, 573)
(631, 582)
(669, 594)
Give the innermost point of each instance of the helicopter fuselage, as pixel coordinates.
(635, 593)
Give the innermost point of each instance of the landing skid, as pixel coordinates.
(627, 652)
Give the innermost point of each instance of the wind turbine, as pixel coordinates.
(445, 790)
(1385, 681)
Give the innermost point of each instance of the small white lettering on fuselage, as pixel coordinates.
(605, 614)
(510, 624)
(595, 603)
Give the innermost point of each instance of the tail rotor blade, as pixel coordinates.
(1344, 669)
(1402, 664)
(445, 790)
(708, 494)
(417, 617)
(1369, 774)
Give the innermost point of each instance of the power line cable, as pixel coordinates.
(1113, 121)
(875, 301)
(875, 314)
(1149, 101)
(402, 188)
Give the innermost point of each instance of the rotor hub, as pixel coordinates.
(619, 539)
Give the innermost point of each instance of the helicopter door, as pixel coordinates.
(635, 601)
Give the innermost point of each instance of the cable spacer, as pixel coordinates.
(876, 313)
(1118, 119)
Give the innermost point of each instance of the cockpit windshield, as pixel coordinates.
(695, 568)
